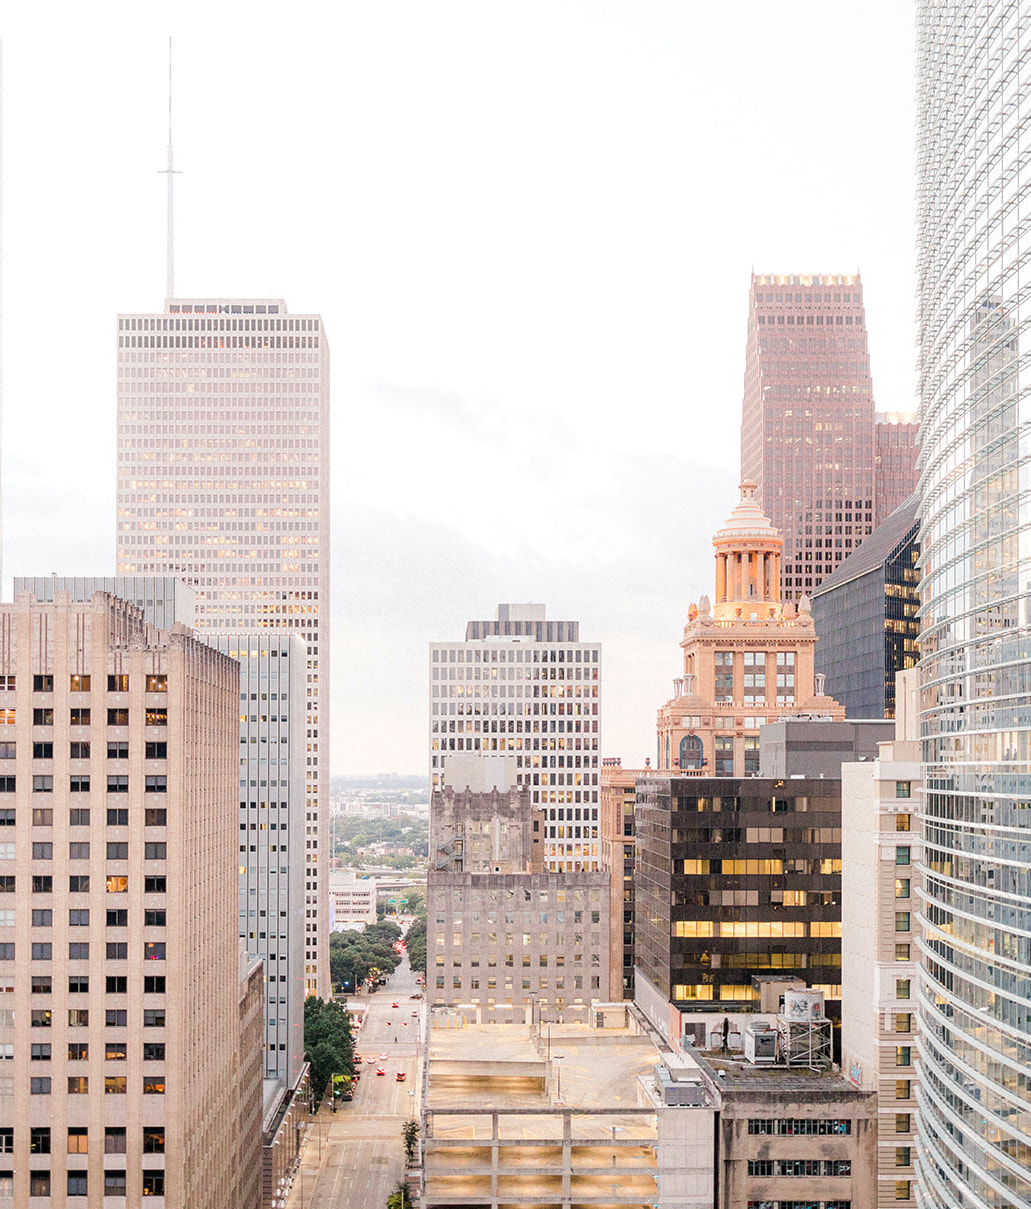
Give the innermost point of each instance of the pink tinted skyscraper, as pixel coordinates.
(807, 421)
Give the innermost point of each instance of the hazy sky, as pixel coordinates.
(529, 228)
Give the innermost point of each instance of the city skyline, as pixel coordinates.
(529, 289)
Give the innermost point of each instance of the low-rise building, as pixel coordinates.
(611, 1115)
(505, 936)
(352, 900)
(880, 910)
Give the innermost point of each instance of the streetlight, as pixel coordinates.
(558, 1060)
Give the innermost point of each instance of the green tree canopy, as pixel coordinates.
(353, 954)
(416, 941)
(327, 1041)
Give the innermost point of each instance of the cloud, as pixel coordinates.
(639, 550)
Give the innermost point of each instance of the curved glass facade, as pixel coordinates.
(974, 264)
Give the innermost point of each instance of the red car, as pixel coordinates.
(399, 1077)
(380, 1070)
(393, 1005)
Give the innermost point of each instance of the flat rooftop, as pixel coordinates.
(735, 1074)
(504, 1067)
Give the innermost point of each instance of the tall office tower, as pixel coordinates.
(867, 616)
(807, 420)
(896, 442)
(273, 695)
(272, 832)
(528, 687)
(223, 480)
(974, 126)
(118, 948)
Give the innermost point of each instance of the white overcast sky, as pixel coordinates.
(529, 228)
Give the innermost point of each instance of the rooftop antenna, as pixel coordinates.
(170, 172)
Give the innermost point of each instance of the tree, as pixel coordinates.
(416, 942)
(399, 1198)
(327, 1042)
(352, 955)
(410, 1134)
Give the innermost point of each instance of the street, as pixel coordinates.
(354, 1158)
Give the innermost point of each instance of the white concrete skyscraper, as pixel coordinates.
(525, 690)
(223, 480)
(974, 298)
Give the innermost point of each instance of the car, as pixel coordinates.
(415, 1012)
(358, 1058)
(400, 1077)
(371, 1061)
(417, 995)
(393, 1005)
(383, 1057)
(380, 1070)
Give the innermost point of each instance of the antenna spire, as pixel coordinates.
(170, 172)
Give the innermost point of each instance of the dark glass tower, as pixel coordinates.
(866, 617)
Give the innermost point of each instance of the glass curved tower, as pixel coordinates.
(974, 267)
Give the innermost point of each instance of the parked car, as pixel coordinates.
(400, 1077)
(380, 1070)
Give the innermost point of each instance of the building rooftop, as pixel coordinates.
(505, 1067)
(735, 1074)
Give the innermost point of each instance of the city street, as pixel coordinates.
(354, 1158)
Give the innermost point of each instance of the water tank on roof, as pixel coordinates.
(803, 1005)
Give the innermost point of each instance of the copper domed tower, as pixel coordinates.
(748, 658)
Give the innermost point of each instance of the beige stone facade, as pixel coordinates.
(223, 481)
(118, 934)
(879, 936)
(747, 657)
(505, 937)
(618, 856)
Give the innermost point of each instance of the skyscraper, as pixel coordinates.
(223, 480)
(809, 437)
(866, 616)
(748, 659)
(807, 419)
(974, 1002)
(895, 445)
(119, 961)
(273, 695)
(528, 688)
